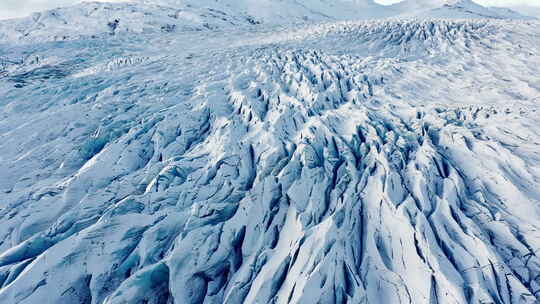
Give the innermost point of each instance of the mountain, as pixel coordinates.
(90, 19)
(203, 155)
(527, 10)
(453, 9)
(272, 11)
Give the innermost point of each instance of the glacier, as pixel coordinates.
(209, 152)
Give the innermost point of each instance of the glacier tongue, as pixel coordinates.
(354, 162)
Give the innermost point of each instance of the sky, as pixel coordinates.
(19, 8)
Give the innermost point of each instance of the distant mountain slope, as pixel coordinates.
(278, 11)
(527, 10)
(97, 18)
(454, 9)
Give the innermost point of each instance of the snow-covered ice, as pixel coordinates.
(158, 153)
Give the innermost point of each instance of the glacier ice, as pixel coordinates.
(381, 161)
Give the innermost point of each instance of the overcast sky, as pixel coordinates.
(18, 8)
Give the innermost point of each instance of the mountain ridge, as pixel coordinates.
(90, 19)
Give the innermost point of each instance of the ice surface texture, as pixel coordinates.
(382, 161)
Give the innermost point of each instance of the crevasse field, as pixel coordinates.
(309, 151)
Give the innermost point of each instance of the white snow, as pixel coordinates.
(205, 152)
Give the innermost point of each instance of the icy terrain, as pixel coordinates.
(92, 20)
(208, 158)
